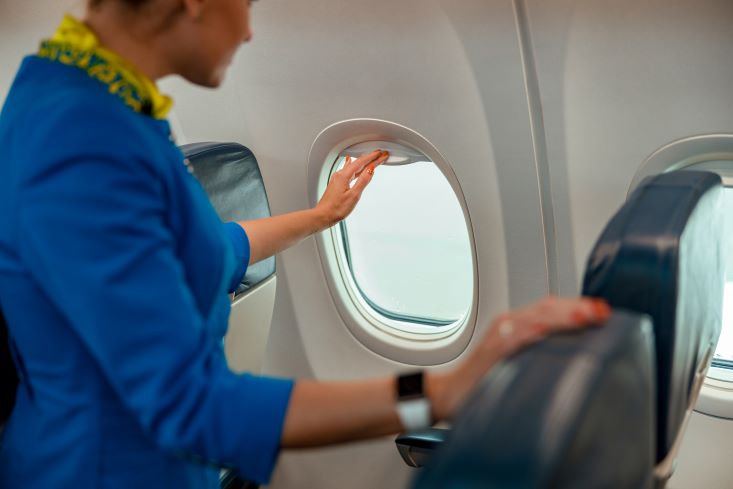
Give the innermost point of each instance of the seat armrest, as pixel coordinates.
(229, 480)
(417, 446)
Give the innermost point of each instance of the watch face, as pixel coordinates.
(410, 386)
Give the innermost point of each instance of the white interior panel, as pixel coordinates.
(339, 60)
(614, 82)
(411, 62)
(618, 81)
(22, 26)
(704, 459)
(249, 328)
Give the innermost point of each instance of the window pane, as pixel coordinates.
(724, 353)
(725, 343)
(408, 246)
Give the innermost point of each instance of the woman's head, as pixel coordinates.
(195, 39)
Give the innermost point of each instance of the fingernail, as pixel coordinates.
(601, 308)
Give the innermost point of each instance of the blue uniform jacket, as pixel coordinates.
(114, 270)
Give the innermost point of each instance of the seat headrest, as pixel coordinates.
(661, 255)
(574, 411)
(231, 177)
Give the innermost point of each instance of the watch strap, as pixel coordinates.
(413, 408)
(415, 414)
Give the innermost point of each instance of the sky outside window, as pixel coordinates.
(408, 244)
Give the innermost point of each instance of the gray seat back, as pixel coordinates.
(575, 411)
(661, 255)
(608, 413)
(231, 177)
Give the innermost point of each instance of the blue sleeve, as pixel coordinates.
(240, 242)
(94, 232)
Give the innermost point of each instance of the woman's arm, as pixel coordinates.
(322, 413)
(271, 235)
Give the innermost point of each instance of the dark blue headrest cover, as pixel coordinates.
(230, 175)
(575, 411)
(661, 255)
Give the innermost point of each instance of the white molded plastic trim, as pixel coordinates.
(410, 344)
(716, 395)
(684, 153)
(249, 327)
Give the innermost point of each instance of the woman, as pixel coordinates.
(114, 273)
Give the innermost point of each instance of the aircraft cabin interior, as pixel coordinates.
(562, 147)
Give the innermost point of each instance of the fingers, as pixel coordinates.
(345, 175)
(346, 185)
(581, 312)
(356, 167)
(364, 178)
(517, 329)
(381, 159)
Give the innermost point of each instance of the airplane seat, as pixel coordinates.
(565, 413)
(661, 255)
(230, 174)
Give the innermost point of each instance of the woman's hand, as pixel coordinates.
(322, 413)
(346, 185)
(509, 333)
(271, 235)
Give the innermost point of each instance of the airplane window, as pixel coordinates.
(724, 353)
(406, 245)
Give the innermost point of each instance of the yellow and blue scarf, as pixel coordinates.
(74, 44)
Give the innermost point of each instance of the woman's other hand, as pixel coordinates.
(344, 190)
(509, 333)
(321, 413)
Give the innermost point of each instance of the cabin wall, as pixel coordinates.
(22, 26)
(618, 80)
(338, 61)
(545, 108)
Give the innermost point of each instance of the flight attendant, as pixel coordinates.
(114, 273)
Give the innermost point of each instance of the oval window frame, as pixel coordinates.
(716, 394)
(391, 339)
